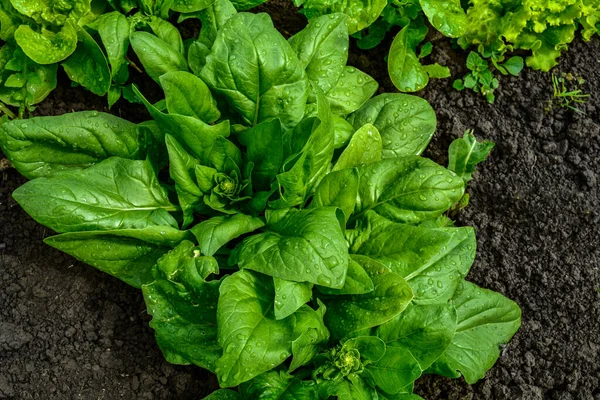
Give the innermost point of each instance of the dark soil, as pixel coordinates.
(68, 331)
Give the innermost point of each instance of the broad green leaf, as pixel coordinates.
(305, 246)
(47, 47)
(353, 387)
(183, 307)
(351, 313)
(274, 385)
(113, 194)
(253, 341)
(465, 153)
(486, 320)
(404, 67)
(447, 16)
(514, 65)
(297, 183)
(213, 19)
(357, 281)
(343, 131)
(406, 123)
(254, 69)
(156, 55)
(167, 32)
(437, 71)
(407, 189)
(424, 330)
(216, 232)
(361, 13)
(128, 254)
(88, 65)
(265, 149)
(322, 49)
(364, 148)
(433, 261)
(396, 369)
(310, 333)
(246, 4)
(338, 189)
(547, 46)
(290, 296)
(351, 91)
(224, 394)
(187, 95)
(113, 29)
(42, 146)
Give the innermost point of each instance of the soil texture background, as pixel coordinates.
(68, 331)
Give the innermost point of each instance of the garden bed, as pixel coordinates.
(70, 331)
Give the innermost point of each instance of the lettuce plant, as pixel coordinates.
(281, 223)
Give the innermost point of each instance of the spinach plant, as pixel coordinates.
(281, 223)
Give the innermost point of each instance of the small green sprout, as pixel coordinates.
(567, 92)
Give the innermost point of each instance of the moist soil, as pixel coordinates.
(68, 331)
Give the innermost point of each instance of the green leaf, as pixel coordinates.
(216, 232)
(305, 246)
(88, 65)
(361, 13)
(113, 29)
(254, 69)
(183, 308)
(253, 340)
(311, 335)
(404, 67)
(167, 32)
(407, 189)
(433, 261)
(486, 320)
(274, 385)
(156, 55)
(352, 388)
(371, 348)
(187, 6)
(424, 330)
(465, 153)
(47, 47)
(357, 280)
(406, 123)
(351, 313)
(343, 131)
(290, 296)
(351, 91)
(42, 146)
(188, 95)
(395, 370)
(212, 20)
(447, 16)
(223, 394)
(338, 189)
(475, 62)
(322, 48)
(265, 150)
(364, 148)
(113, 194)
(437, 71)
(514, 65)
(246, 4)
(128, 254)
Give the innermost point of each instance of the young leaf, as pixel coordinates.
(351, 91)
(350, 313)
(114, 194)
(305, 246)
(216, 232)
(128, 254)
(279, 385)
(113, 29)
(364, 148)
(224, 394)
(256, 71)
(408, 189)
(179, 87)
(156, 55)
(465, 153)
(406, 123)
(404, 66)
(395, 370)
(447, 16)
(290, 296)
(514, 65)
(361, 13)
(253, 340)
(338, 189)
(486, 320)
(357, 280)
(310, 333)
(265, 150)
(42, 146)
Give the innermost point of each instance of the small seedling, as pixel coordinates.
(481, 80)
(567, 92)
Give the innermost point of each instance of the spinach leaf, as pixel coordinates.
(157, 56)
(216, 232)
(113, 29)
(253, 68)
(311, 335)
(338, 189)
(113, 194)
(396, 369)
(406, 123)
(279, 385)
(465, 153)
(290, 296)
(42, 146)
(485, 320)
(178, 85)
(253, 341)
(128, 254)
(364, 148)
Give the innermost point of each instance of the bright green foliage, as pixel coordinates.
(294, 250)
